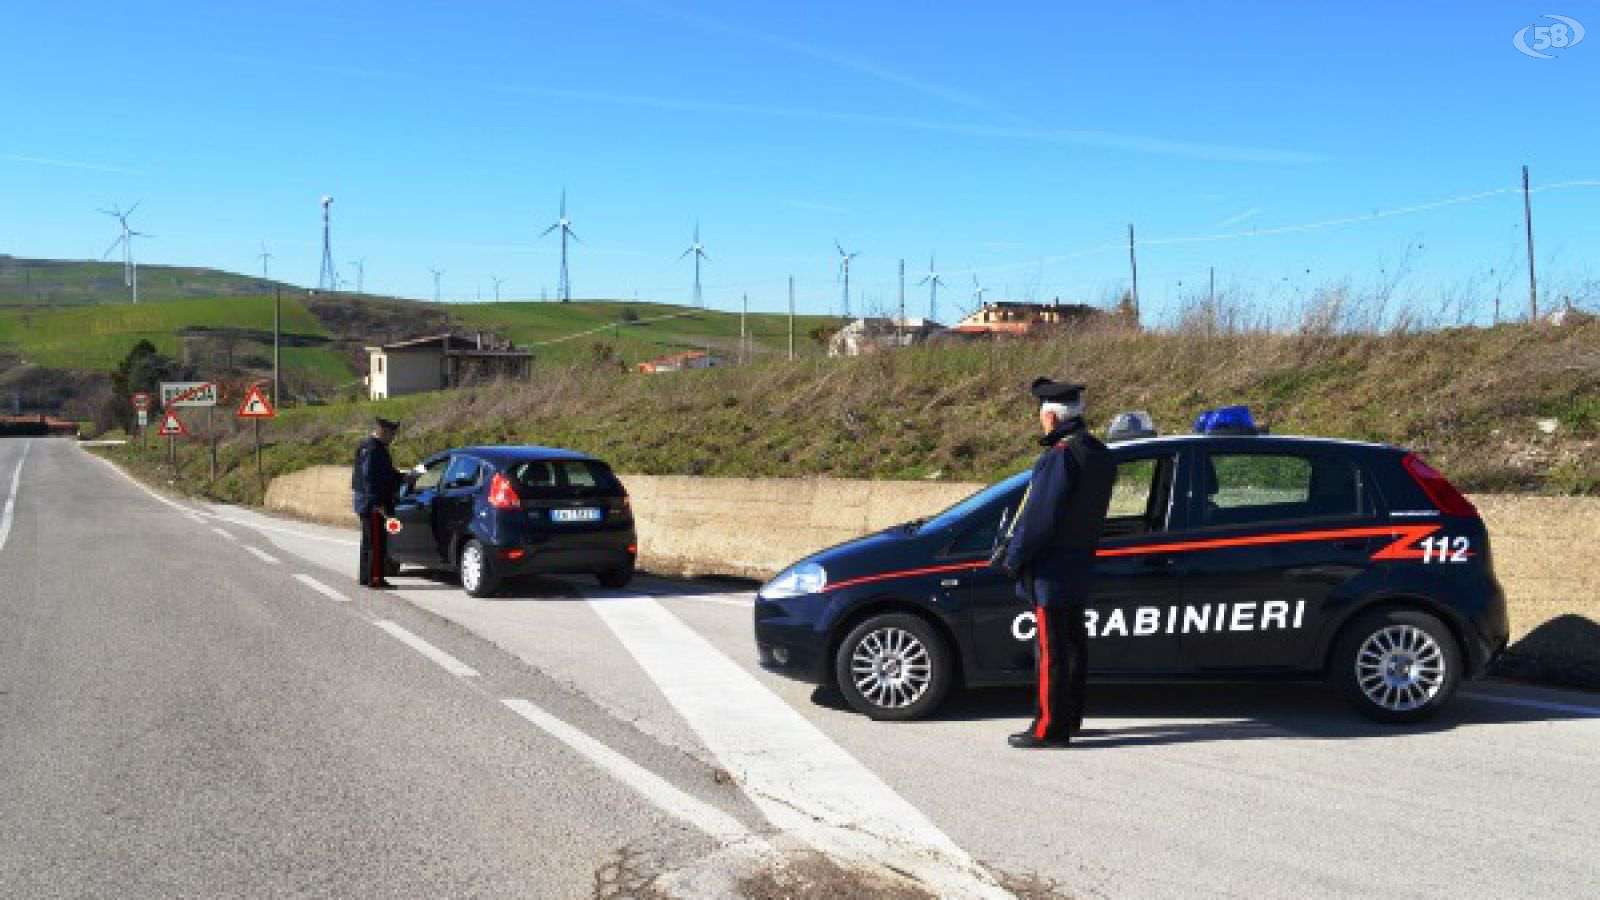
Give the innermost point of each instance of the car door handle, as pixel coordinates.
(1164, 561)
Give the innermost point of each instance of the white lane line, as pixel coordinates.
(321, 588)
(1546, 705)
(11, 499)
(721, 601)
(444, 660)
(197, 517)
(224, 534)
(262, 555)
(140, 485)
(653, 787)
(802, 781)
(278, 528)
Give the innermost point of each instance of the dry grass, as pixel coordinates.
(1468, 398)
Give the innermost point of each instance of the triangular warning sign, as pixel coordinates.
(255, 406)
(171, 425)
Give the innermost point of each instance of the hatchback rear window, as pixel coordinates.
(564, 474)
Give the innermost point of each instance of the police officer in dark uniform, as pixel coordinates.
(375, 482)
(1051, 553)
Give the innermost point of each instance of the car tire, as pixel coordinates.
(472, 567)
(1397, 665)
(615, 579)
(894, 667)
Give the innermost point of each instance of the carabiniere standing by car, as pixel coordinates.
(1050, 550)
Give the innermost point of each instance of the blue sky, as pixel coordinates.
(1014, 140)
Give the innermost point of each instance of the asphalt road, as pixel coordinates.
(197, 700)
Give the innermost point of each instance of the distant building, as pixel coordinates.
(678, 362)
(1013, 319)
(869, 335)
(441, 361)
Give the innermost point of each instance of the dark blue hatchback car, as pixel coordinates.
(491, 513)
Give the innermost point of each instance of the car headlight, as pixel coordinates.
(795, 581)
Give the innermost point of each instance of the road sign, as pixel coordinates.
(141, 401)
(171, 425)
(255, 406)
(188, 393)
(144, 417)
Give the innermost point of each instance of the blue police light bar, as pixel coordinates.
(1226, 420)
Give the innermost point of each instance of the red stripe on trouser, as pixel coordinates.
(1041, 728)
(375, 545)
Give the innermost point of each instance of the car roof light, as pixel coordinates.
(1226, 420)
(1127, 426)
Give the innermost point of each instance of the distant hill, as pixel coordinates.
(62, 282)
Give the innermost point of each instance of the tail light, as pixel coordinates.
(1444, 495)
(501, 494)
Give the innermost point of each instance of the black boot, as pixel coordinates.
(1025, 740)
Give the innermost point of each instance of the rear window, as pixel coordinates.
(564, 474)
(1246, 488)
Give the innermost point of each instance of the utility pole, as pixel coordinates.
(900, 323)
(1527, 220)
(1211, 288)
(1133, 263)
(1496, 297)
(744, 311)
(791, 318)
(277, 332)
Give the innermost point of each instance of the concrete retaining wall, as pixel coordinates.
(1543, 546)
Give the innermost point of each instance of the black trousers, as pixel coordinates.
(374, 548)
(1061, 648)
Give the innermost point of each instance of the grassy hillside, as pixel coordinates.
(568, 331)
(57, 282)
(1471, 400)
(96, 338)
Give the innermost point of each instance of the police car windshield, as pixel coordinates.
(991, 494)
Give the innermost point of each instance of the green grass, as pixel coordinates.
(96, 338)
(554, 331)
(55, 282)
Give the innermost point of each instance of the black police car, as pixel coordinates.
(491, 513)
(1224, 556)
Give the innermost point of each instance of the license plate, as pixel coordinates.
(575, 515)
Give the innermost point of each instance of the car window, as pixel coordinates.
(430, 476)
(565, 474)
(1139, 496)
(957, 515)
(463, 471)
(1245, 488)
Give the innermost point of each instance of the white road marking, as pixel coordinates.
(1547, 705)
(653, 787)
(721, 601)
(140, 485)
(11, 499)
(197, 517)
(224, 533)
(262, 555)
(444, 660)
(802, 781)
(278, 528)
(321, 588)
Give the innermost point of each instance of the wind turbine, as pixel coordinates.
(497, 282)
(264, 256)
(436, 274)
(564, 292)
(844, 273)
(977, 292)
(130, 269)
(699, 252)
(932, 280)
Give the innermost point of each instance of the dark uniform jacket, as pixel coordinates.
(373, 480)
(1057, 530)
